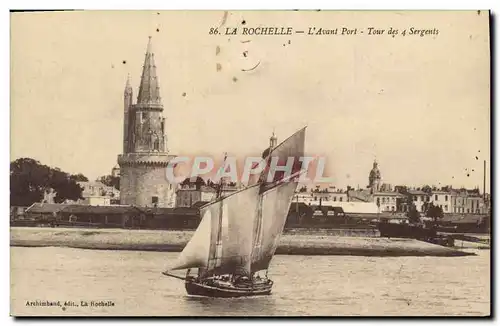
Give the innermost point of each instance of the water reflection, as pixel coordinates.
(254, 306)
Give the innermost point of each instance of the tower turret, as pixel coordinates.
(127, 104)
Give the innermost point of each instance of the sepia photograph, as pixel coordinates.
(214, 163)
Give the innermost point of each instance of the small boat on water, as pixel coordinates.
(231, 250)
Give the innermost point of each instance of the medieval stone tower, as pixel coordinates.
(145, 157)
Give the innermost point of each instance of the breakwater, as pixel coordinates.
(174, 241)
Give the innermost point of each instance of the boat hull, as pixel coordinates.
(206, 290)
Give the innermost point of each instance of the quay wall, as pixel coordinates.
(174, 241)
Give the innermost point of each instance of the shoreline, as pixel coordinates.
(174, 241)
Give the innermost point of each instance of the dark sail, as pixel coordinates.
(275, 199)
(291, 148)
(272, 212)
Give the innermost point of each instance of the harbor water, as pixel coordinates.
(130, 283)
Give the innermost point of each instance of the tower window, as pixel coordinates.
(144, 115)
(154, 200)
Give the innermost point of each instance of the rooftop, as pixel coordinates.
(418, 192)
(200, 188)
(88, 209)
(387, 193)
(43, 208)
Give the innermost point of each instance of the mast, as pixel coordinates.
(221, 181)
(218, 243)
(484, 181)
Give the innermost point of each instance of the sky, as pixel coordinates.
(418, 105)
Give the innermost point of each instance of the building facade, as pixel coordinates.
(442, 199)
(420, 198)
(334, 196)
(468, 202)
(145, 158)
(188, 195)
(387, 201)
(98, 194)
(94, 193)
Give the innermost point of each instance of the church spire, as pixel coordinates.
(149, 89)
(273, 141)
(128, 87)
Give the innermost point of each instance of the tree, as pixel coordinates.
(413, 214)
(446, 188)
(434, 212)
(425, 206)
(110, 181)
(29, 180)
(411, 209)
(198, 182)
(401, 189)
(79, 178)
(427, 189)
(474, 191)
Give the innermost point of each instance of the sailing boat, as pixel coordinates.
(239, 233)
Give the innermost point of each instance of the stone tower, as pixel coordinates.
(375, 178)
(273, 142)
(145, 157)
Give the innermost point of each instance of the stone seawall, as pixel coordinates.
(174, 241)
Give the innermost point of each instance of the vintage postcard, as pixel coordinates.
(250, 163)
